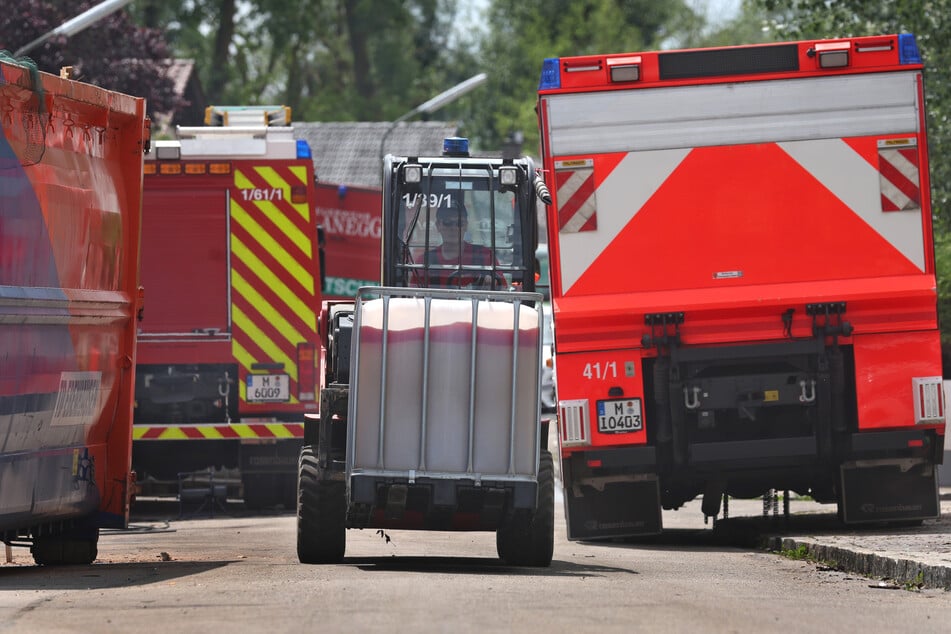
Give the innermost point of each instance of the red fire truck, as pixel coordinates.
(70, 194)
(743, 280)
(351, 223)
(228, 344)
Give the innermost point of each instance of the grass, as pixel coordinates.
(800, 553)
(915, 584)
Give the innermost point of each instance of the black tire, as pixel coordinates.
(321, 514)
(528, 539)
(78, 548)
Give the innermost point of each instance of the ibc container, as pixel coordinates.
(468, 423)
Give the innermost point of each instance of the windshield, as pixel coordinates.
(458, 227)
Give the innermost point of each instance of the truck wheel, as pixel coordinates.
(321, 514)
(76, 548)
(529, 539)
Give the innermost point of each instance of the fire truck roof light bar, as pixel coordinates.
(741, 60)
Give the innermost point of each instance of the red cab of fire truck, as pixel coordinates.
(228, 343)
(743, 280)
(70, 194)
(429, 413)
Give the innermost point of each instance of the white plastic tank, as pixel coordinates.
(448, 387)
(404, 356)
(495, 364)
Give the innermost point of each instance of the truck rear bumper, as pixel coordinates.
(876, 476)
(436, 503)
(759, 454)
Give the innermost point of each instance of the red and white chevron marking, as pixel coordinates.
(899, 178)
(577, 206)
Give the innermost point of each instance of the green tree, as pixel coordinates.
(327, 59)
(113, 53)
(752, 24)
(522, 34)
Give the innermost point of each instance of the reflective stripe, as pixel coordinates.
(899, 179)
(272, 276)
(577, 210)
(218, 432)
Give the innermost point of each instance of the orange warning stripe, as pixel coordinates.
(218, 432)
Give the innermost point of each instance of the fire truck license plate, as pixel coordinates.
(266, 388)
(620, 416)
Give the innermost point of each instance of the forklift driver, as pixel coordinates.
(455, 250)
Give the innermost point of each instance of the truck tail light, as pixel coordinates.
(574, 419)
(833, 59)
(625, 69)
(833, 54)
(306, 372)
(929, 399)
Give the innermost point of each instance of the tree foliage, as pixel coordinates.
(113, 53)
(331, 60)
(522, 34)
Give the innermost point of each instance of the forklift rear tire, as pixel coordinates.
(528, 539)
(321, 514)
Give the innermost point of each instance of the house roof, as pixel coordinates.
(180, 72)
(348, 153)
(185, 84)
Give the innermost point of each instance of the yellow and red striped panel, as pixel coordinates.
(235, 431)
(273, 270)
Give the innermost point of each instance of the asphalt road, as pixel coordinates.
(238, 572)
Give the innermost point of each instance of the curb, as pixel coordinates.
(903, 572)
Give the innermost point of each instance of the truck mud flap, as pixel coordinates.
(889, 492)
(621, 508)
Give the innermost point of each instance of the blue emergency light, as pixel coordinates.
(455, 146)
(551, 74)
(908, 49)
(303, 149)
